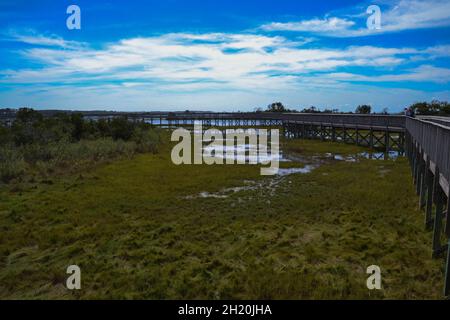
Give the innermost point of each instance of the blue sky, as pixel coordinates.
(223, 55)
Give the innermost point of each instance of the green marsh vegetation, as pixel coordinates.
(138, 227)
(35, 147)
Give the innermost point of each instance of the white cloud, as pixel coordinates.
(234, 60)
(313, 25)
(417, 14)
(207, 66)
(424, 73)
(439, 51)
(398, 16)
(33, 38)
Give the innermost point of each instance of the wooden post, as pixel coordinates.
(371, 138)
(321, 132)
(423, 184)
(357, 135)
(345, 134)
(419, 173)
(447, 272)
(402, 143)
(386, 139)
(437, 226)
(418, 177)
(415, 164)
(429, 200)
(447, 220)
(438, 223)
(436, 185)
(447, 261)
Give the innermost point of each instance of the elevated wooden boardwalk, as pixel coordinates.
(428, 150)
(376, 131)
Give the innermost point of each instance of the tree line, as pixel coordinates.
(434, 107)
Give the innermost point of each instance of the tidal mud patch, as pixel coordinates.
(306, 164)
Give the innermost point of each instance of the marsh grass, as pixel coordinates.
(133, 232)
(28, 162)
(35, 146)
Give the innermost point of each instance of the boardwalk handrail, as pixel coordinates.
(393, 121)
(428, 149)
(347, 119)
(434, 139)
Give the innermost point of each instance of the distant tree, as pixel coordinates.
(421, 108)
(363, 109)
(435, 107)
(121, 128)
(440, 107)
(28, 115)
(76, 119)
(311, 109)
(445, 108)
(276, 107)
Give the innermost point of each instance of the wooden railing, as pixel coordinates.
(347, 119)
(428, 150)
(337, 119)
(433, 139)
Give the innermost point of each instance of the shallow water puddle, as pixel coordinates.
(270, 184)
(247, 152)
(391, 155)
(287, 171)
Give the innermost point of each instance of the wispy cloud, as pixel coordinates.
(213, 66)
(33, 38)
(422, 73)
(243, 61)
(397, 16)
(314, 25)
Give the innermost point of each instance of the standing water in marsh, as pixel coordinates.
(293, 162)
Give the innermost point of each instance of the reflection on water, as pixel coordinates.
(391, 155)
(287, 171)
(249, 153)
